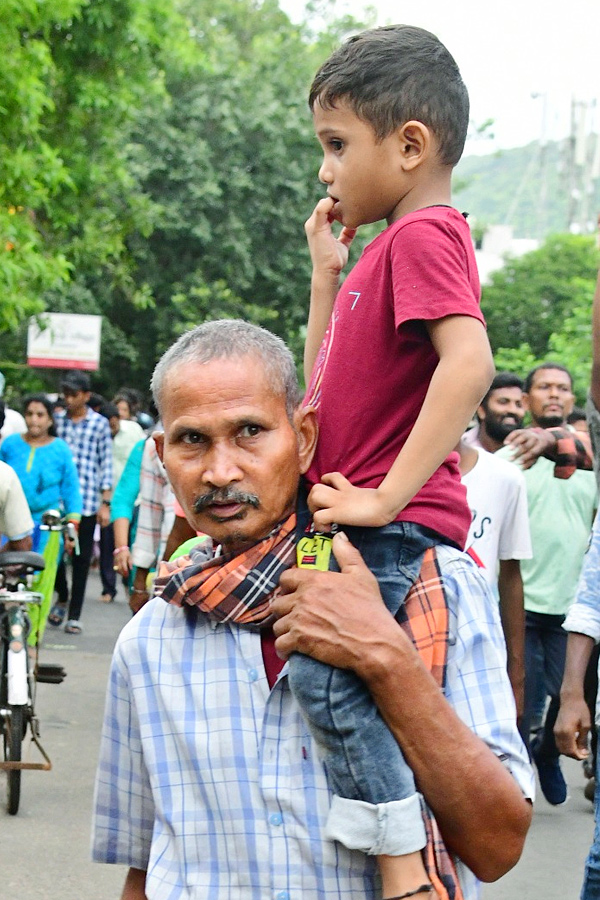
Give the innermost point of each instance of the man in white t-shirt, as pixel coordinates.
(500, 412)
(498, 539)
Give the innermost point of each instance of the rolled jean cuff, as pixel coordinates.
(378, 829)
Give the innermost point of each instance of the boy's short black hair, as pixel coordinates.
(393, 74)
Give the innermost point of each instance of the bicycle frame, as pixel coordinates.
(57, 527)
(18, 668)
(17, 663)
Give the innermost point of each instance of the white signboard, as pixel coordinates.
(64, 341)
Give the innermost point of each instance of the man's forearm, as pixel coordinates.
(568, 450)
(121, 531)
(571, 451)
(141, 576)
(181, 532)
(574, 720)
(579, 650)
(512, 615)
(135, 885)
(19, 544)
(479, 807)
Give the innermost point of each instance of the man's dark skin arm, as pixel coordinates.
(139, 594)
(135, 885)
(25, 543)
(512, 615)
(529, 444)
(181, 532)
(340, 619)
(574, 721)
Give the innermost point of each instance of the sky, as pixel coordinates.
(523, 61)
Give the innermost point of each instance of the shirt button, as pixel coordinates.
(252, 674)
(276, 819)
(282, 895)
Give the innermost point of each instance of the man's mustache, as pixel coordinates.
(225, 495)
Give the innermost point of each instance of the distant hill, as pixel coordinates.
(527, 188)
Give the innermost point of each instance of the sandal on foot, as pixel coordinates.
(57, 615)
(73, 627)
(107, 598)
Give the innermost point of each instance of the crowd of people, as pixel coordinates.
(68, 454)
(380, 591)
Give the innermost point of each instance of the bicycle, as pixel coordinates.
(19, 667)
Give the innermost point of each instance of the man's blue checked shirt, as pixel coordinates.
(211, 782)
(90, 441)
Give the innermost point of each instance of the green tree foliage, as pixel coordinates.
(519, 360)
(232, 167)
(186, 166)
(31, 169)
(572, 345)
(75, 74)
(539, 308)
(530, 298)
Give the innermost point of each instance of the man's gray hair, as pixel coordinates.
(232, 338)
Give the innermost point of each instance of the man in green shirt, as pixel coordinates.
(561, 512)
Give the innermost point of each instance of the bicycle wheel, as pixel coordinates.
(14, 725)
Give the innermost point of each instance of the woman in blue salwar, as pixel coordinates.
(46, 470)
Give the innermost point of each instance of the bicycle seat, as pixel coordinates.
(24, 558)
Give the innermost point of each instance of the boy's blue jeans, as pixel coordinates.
(375, 807)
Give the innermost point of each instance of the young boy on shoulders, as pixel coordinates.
(397, 360)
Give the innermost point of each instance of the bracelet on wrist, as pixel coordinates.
(423, 889)
(138, 591)
(106, 503)
(120, 550)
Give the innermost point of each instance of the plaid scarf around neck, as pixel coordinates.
(233, 587)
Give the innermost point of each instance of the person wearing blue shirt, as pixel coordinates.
(88, 435)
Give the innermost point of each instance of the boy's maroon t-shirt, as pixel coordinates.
(273, 665)
(377, 360)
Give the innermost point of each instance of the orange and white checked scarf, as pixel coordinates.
(234, 587)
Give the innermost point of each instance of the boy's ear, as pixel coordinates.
(416, 143)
